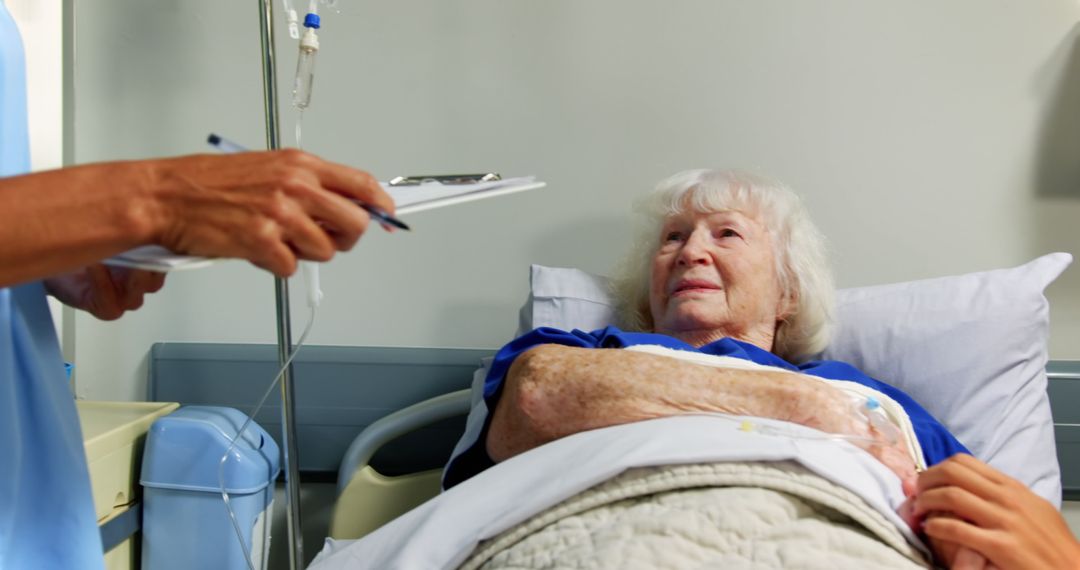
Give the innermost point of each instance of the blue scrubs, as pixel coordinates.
(936, 441)
(47, 515)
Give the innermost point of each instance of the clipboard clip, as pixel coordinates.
(445, 179)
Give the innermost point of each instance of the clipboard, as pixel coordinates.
(428, 196)
(409, 199)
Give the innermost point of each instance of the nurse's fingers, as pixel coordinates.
(968, 559)
(138, 284)
(303, 233)
(988, 543)
(354, 183)
(982, 469)
(958, 471)
(959, 502)
(104, 300)
(265, 248)
(342, 220)
(291, 164)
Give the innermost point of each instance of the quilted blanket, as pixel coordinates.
(711, 515)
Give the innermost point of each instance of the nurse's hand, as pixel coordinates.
(965, 504)
(271, 208)
(105, 292)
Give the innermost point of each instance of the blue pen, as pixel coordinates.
(225, 145)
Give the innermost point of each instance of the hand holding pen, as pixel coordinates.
(387, 221)
(272, 208)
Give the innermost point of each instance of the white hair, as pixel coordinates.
(798, 249)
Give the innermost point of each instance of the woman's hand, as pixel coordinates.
(964, 504)
(106, 292)
(832, 411)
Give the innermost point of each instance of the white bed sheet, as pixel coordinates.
(443, 532)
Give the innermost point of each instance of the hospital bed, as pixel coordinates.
(202, 373)
(393, 464)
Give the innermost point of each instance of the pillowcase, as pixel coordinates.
(972, 349)
(566, 299)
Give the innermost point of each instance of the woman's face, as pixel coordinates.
(714, 276)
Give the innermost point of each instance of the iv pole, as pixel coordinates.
(281, 292)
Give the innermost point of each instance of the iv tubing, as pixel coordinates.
(232, 444)
(293, 19)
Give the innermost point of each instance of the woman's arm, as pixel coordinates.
(553, 391)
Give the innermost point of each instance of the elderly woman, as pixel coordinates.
(727, 289)
(729, 264)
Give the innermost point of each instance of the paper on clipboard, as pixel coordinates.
(157, 258)
(411, 199)
(408, 200)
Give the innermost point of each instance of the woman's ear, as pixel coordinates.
(787, 305)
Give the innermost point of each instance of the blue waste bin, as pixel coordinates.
(185, 522)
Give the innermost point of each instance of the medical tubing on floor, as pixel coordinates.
(232, 444)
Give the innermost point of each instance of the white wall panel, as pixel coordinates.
(928, 138)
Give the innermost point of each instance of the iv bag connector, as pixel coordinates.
(305, 69)
(310, 41)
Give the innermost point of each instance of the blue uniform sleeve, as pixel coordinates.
(938, 444)
(475, 459)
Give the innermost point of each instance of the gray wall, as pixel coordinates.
(929, 138)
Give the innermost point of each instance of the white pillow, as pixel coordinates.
(972, 349)
(567, 299)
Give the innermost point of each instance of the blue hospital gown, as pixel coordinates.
(936, 441)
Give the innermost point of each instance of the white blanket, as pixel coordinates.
(443, 532)
(715, 515)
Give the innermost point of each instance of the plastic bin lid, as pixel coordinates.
(184, 451)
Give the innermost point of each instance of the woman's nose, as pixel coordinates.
(695, 250)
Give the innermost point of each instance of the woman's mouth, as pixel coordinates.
(690, 286)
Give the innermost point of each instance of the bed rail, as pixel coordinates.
(397, 424)
(1064, 390)
(340, 391)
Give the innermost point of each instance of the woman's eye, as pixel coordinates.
(673, 236)
(728, 232)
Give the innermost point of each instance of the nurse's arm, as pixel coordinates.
(553, 391)
(61, 220)
(270, 208)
